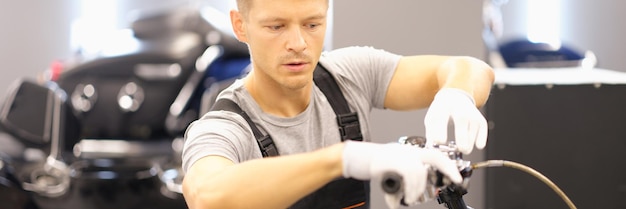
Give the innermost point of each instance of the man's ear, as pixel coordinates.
(236, 20)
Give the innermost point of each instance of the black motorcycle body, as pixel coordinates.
(107, 131)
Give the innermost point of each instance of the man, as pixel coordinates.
(224, 166)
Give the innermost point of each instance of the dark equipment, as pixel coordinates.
(571, 132)
(106, 131)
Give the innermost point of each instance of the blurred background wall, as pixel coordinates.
(35, 33)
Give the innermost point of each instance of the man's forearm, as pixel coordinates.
(275, 182)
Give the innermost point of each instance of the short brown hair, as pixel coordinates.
(244, 6)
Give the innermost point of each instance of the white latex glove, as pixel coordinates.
(470, 126)
(370, 161)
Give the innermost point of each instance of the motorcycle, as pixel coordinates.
(105, 130)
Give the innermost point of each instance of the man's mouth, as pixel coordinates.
(296, 65)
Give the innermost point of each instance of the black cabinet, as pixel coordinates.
(575, 134)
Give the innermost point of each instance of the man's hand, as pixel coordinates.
(370, 161)
(470, 126)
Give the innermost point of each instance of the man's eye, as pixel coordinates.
(312, 26)
(275, 27)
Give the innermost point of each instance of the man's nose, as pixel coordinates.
(296, 41)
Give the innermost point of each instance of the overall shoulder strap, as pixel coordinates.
(265, 142)
(348, 121)
(349, 127)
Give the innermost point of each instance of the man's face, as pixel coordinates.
(286, 38)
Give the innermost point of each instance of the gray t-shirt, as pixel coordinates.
(363, 74)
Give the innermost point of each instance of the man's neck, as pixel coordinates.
(277, 100)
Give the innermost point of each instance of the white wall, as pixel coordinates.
(32, 34)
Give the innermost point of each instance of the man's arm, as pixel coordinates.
(275, 182)
(278, 182)
(418, 78)
(452, 88)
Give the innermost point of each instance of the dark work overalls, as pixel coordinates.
(337, 194)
